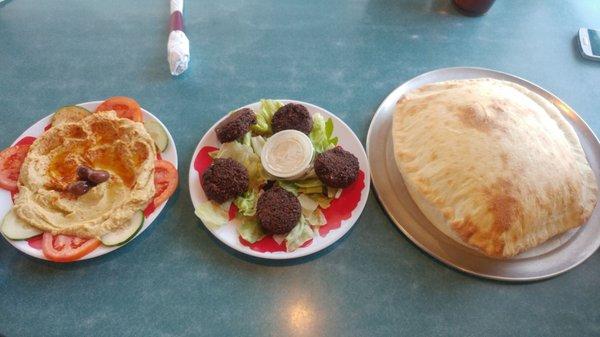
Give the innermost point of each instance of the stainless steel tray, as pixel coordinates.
(554, 257)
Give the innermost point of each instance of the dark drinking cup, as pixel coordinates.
(473, 7)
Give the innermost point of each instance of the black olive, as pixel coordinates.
(98, 176)
(83, 172)
(79, 187)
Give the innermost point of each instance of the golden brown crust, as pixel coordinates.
(492, 164)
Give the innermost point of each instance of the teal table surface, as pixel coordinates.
(346, 56)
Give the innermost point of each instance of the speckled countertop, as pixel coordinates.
(346, 56)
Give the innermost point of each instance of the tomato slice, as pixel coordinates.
(11, 160)
(124, 106)
(64, 248)
(165, 181)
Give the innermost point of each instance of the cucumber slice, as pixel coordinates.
(158, 134)
(124, 234)
(15, 228)
(69, 113)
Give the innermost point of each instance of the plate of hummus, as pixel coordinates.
(279, 179)
(487, 172)
(86, 180)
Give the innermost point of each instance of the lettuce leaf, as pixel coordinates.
(321, 134)
(307, 186)
(298, 235)
(245, 156)
(307, 203)
(246, 203)
(313, 182)
(333, 193)
(212, 215)
(226, 206)
(321, 199)
(311, 190)
(247, 139)
(257, 144)
(264, 116)
(289, 186)
(251, 231)
(311, 211)
(315, 218)
(279, 238)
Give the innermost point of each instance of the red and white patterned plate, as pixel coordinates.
(341, 215)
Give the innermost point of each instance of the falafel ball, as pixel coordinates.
(235, 125)
(292, 117)
(337, 167)
(224, 179)
(278, 211)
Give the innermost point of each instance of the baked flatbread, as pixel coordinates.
(491, 164)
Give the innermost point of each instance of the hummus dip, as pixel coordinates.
(101, 141)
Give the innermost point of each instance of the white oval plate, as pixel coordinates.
(228, 233)
(554, 257)
(36, 130)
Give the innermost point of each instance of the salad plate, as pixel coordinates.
(326, 214)
(33, 246)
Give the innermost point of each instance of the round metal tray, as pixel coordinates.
(552, 258)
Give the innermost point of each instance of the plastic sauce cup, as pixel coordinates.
(287, 154)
